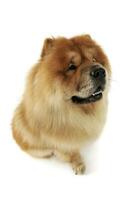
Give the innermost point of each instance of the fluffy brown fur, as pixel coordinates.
(47, 122)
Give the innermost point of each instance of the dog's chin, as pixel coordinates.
(96, 96)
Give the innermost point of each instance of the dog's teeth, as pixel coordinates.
(96, 93)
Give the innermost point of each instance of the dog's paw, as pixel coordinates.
(79, 168)
(48, 155)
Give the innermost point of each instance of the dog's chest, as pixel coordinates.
(72, 129)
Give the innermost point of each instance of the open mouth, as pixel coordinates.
(97, 95)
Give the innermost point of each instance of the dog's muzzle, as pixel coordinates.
(98, 76)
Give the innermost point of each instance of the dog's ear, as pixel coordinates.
(48, 44)
(87, 36)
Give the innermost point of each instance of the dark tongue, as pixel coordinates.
(80, 100)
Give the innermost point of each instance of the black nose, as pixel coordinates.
(98, 72)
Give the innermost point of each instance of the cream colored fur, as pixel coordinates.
(45, 123)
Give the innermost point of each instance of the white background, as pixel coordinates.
(111, 162)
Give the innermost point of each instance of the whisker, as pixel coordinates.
(112, 80)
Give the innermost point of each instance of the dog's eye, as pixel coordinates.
(72, 67)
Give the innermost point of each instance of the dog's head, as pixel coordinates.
(78, 66)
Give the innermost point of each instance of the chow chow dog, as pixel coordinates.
(64, 105)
